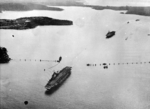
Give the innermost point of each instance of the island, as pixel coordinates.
(4, 58)
(31, 22)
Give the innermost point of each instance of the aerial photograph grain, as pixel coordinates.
(74, 54)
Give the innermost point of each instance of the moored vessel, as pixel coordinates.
(58, 78)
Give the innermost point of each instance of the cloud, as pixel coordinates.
(44, 1)
(86, 2)
(119, 2)
(49, 2)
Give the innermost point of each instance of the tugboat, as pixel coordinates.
(110, 34)
(58, 78)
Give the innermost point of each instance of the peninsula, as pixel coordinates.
(4, 57)
(31, 22)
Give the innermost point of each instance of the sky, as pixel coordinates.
(119, 2)
(93, 2)
(40, 0)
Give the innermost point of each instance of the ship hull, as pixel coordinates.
(59, 80)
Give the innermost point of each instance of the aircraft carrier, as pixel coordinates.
(58, 78)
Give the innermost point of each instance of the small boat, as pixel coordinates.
(110, 34)
(137, 19)
(104, 64)
(58, 78)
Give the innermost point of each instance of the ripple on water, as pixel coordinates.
(80, 22)
(4, 88)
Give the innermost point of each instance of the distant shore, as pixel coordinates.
(26, 7)
(136, 10)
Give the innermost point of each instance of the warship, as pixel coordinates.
(110, 34)
(58, 78)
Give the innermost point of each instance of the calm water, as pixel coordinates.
(118, 87)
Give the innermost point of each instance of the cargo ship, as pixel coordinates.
(58, 78)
